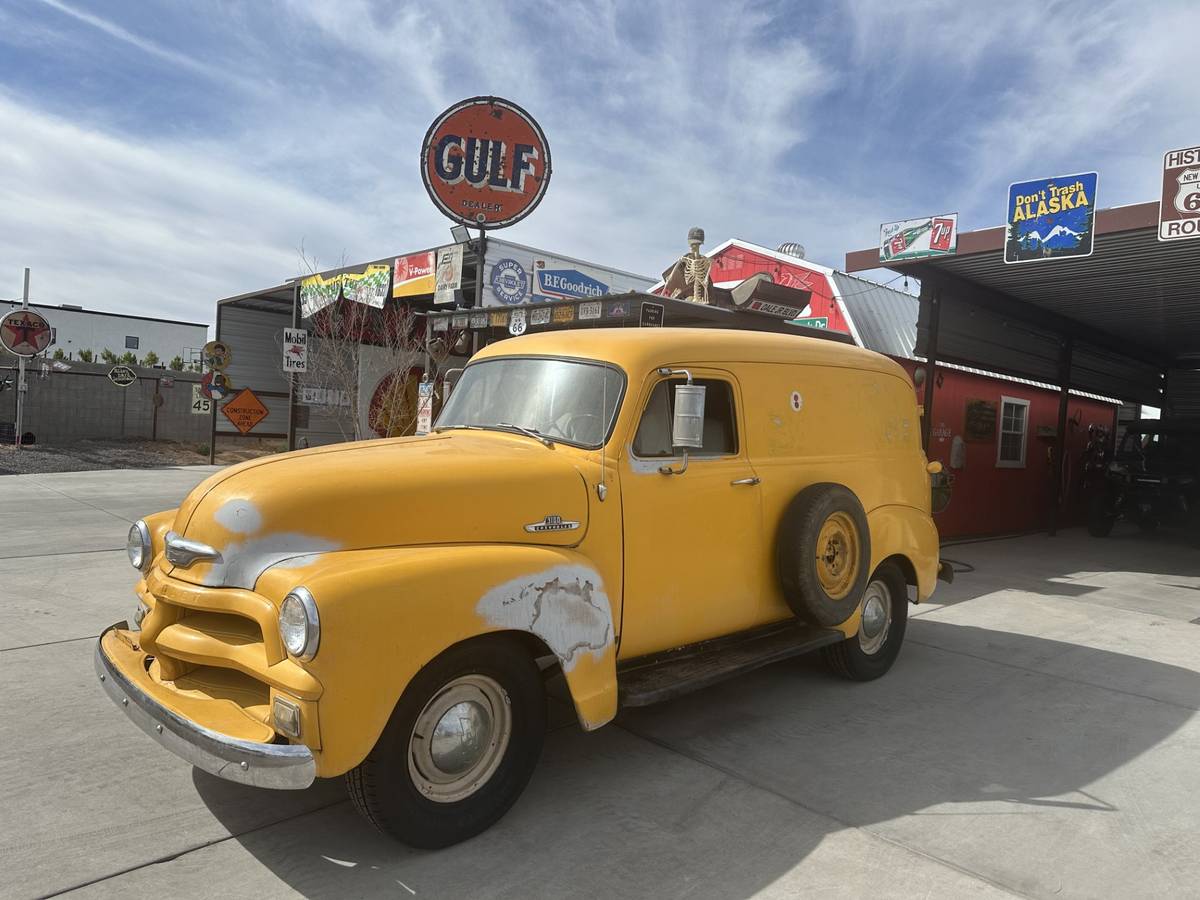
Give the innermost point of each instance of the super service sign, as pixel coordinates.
(485, 162)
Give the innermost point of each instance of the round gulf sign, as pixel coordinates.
(25, 333)
(485, 162)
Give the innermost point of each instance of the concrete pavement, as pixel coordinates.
(1037, 737)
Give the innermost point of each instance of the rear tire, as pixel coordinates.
(459, 747)
(871, 652)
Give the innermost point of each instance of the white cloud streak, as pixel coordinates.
(659, 119)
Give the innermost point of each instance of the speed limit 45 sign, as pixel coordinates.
(201, 405)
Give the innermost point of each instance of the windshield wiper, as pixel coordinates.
(528, 432)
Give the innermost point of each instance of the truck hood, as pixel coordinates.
(459, 487)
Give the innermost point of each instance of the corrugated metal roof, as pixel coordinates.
(885, 319)
(1133, 287)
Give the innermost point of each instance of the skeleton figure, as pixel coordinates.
(690, 273)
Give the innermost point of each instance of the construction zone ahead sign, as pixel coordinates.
(244, 410)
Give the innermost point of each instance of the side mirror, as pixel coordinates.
(687, 425)
(687, 422)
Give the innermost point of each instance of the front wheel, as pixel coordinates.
(871, 652)
(459, 747)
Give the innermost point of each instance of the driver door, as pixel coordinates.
(693, 541)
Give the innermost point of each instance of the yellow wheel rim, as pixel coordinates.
(838, 552)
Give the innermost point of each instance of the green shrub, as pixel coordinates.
(108, 356)
(150, 359)
(59, 354)
(85, 356)
(176, 364)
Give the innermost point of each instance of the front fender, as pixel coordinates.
(387, 613)
(910, 533)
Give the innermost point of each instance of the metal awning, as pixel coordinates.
(1128, 313)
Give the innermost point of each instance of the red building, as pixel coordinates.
(993, 434)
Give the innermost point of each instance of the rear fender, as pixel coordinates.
(385, 614)
(908, 532)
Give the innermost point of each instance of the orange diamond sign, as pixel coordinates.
(244, 410)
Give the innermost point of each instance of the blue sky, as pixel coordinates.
(157, 156)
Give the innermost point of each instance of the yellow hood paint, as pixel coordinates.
(451, 488)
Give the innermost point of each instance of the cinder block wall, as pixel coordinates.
(82, 403)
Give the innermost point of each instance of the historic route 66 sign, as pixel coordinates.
(1179, 206)
(517, 322)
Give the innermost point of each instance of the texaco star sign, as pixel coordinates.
(24, 332)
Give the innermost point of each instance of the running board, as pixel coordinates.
(649, 680)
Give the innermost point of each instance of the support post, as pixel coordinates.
(212, 424)
(156, 402)
(1059, 493)
(22, 387)
(479, 256)
(293, 376)
(931, 353)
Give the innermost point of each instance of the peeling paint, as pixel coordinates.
(565, 606)
(239, 516)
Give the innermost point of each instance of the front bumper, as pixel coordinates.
(281, 766)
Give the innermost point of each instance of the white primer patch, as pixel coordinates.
(239, 516)
(565, 606)
(243, 562)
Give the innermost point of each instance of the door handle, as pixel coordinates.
(753, 479)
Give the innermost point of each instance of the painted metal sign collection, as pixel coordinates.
(1051, 218)
(485, 162)
(1179, 205)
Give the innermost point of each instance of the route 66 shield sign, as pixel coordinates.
(1187, 200)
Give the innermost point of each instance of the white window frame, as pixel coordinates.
(1012, 463)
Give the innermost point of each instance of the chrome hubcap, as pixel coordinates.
(460, 738)
(876, 617)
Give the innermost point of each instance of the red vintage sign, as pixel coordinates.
(25, 333)
(485, 162)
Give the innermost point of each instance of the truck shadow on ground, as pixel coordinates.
(725, 792)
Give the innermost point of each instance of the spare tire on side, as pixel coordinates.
(824, 553)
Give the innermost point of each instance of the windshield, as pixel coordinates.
(566, 400)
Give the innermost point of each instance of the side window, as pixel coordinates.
(1014, 422)
(653, 438)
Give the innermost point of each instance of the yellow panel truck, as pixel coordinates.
(642, 512)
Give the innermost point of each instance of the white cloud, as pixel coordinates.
(156, 229)
(718, 115)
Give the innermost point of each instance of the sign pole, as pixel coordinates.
(21, 386)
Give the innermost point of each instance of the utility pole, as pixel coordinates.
(21, 386)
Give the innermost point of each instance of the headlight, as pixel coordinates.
(299, 624)
(137, 545)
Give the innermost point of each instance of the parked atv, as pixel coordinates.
(1153, 479)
